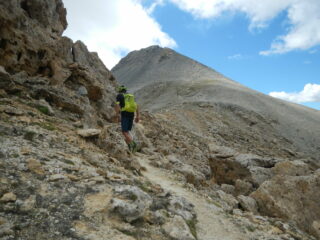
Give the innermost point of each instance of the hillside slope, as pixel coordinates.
(162, 79)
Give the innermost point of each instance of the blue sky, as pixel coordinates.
(270, 47)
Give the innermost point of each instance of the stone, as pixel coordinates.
(180, 206)
(5, 79)
(316, 228)
(35, 166)
(59, 73)
(8, 197)
(292, 168)
(42, 103)
(82, 91)
(248, 167)
(130, 202)
(29, 204)
(229, 202)
(86, 133)
(230, 189)
(177, 229)
(158, 217)
(191, 174)
(13, 111)
(248, 204)
(57, 177)
(243, 187)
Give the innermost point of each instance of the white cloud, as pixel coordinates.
(310, 93)
(236, 57)
(303, 18)
(114, 28)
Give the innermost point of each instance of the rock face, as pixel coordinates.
(38, 58)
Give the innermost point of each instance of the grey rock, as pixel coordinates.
(243, 187)
(130, 202)
(248, 204)
(230, 189)
(82, 91)
(180, 206)
(177, 229)
(89, 132)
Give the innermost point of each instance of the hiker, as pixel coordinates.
(125, 108)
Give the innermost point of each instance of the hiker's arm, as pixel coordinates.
(117, 109)
(138, 115)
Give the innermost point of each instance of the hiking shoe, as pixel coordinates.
(134, 147)
(130, 146)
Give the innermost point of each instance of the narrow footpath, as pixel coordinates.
(212, 224)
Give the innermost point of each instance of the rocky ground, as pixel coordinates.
(59, 181)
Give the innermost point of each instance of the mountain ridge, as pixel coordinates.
(163, 79)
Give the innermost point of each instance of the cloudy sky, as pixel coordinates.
(271, 46)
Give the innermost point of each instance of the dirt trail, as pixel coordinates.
(212, 222)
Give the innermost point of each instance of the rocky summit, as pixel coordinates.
(216, 160)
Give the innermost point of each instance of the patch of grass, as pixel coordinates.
(211, 201)
(192, 226)
(46, 125)
(15, 155)
(132, 197)
(250, 228)
(29, 135)
(43, 109)
(145, 186)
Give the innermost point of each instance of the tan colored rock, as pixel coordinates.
(291, 197)
(292, 168)
(59, 73)
(316, 228)
(35, 166)
(8, 197)
(97, 203)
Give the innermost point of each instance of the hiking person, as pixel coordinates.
(125, 108)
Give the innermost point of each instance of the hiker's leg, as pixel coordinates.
(127, 137)
(126, 126)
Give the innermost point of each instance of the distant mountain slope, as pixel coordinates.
(164, 79)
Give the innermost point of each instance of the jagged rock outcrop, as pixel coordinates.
(36, 58)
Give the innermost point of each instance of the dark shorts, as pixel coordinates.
(126, 122)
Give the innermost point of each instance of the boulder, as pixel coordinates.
(180, 206)
(130, 202)
(177, 229)
(8, 197)
(248, 204)
(248, 167)
(293, 198)
(292, 168)
(87, 133)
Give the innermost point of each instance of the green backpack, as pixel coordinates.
(129, 103)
